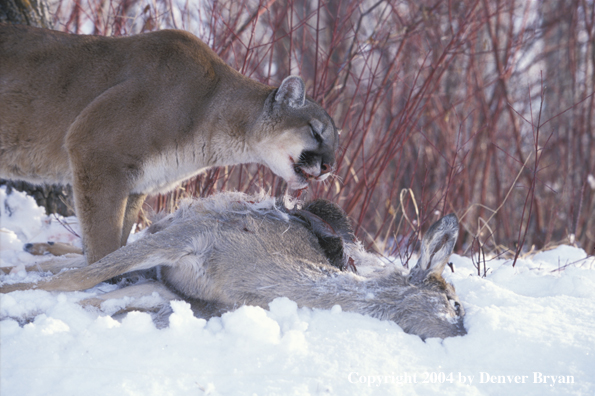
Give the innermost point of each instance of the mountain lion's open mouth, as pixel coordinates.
(302, 173)
(303, 177)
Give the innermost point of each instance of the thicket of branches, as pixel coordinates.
(484, 108)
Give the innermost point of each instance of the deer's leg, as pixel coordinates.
(53, 248)
(136, 294)
(167, 247)
(56, 265)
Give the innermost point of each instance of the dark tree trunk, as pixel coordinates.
(26, 12)
(55, 199)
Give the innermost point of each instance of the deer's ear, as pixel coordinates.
(436, 247)
(292, 91)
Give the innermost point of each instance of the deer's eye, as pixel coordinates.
(456, 306)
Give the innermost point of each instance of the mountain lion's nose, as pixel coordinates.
(325, 168)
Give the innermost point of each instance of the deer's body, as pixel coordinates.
(227, 252)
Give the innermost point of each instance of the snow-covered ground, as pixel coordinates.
(531, 332)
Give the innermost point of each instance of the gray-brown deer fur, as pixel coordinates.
(228, 250)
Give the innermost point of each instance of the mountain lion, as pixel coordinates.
(120, 118)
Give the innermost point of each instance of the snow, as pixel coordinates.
(528, 326)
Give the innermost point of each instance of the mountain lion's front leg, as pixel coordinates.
(100, 197)
(133, 206)
(105, 155)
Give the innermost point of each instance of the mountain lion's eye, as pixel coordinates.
(316, 135)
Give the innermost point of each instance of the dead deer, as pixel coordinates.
(232, 249)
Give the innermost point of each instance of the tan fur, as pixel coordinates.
(53, 248)
(120, 118)
(224, 251)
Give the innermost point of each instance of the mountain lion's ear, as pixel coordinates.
(292, 91)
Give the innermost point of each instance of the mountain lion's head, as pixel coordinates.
(300, 138)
